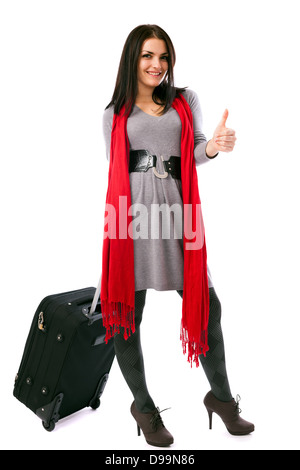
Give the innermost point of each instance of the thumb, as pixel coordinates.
(224, 118)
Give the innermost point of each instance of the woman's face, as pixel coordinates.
(153, 63)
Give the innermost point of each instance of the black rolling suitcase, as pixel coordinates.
(66, 362)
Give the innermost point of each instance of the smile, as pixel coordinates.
(154, 74)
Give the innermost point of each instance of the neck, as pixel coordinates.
(144, 94)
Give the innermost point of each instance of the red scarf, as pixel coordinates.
(118, 284)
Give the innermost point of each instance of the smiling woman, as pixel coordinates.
(147, 49)
(154, 140)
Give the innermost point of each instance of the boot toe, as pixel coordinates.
(241, 428)
(162, 438)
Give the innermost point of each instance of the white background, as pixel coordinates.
(59, 62)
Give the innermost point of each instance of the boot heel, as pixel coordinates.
(210, 413)
(138, 430)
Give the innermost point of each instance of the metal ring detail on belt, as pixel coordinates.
(164, 175)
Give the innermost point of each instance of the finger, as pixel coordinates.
(224, 118)
(225, 133)
(225, 139)
(223, 148)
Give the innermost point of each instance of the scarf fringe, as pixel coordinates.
(116, 315)
(195, 348)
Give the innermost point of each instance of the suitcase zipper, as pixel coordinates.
(41, 322)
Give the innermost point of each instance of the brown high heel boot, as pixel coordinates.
(229, 412)
(152, 426)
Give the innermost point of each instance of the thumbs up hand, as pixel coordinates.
(224, 138)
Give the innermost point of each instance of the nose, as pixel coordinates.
(156, 63)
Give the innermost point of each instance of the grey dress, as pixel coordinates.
(158, 248)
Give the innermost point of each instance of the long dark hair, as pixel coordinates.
(126, 83)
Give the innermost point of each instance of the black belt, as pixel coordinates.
(142, 160)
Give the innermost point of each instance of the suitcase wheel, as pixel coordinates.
(95, 401)
(49, 426)
(49, 413)
(95, 404)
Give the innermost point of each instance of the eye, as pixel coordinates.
(146, 56)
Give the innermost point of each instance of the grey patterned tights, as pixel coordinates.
(130, 356)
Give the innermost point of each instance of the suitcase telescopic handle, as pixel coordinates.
(96, 297)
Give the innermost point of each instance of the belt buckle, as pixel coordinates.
(159, 175)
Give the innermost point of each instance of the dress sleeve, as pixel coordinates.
(199, 138)
(107, 126)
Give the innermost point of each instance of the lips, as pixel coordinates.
(154, 74)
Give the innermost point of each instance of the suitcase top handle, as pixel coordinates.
(96, 298)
